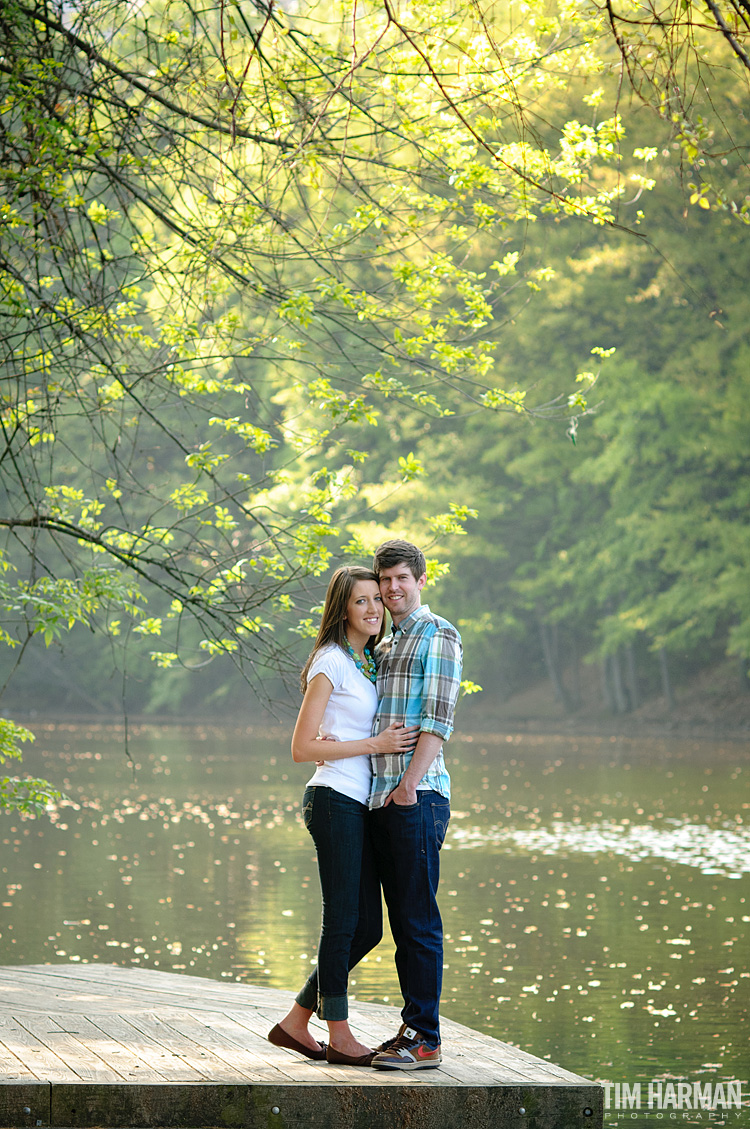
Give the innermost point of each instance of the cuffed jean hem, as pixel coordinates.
(325, 1007)
(308, 997)
(333, 1007)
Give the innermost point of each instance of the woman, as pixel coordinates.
(340, 700)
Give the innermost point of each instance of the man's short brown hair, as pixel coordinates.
(392, 553)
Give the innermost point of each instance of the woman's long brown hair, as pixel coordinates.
(332, 628)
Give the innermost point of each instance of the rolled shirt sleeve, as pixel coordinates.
(442, 682)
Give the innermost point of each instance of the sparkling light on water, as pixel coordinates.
(595, 893)
(713, 850)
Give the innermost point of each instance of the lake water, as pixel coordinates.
(595, 891)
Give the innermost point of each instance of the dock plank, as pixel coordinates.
(202, 1063)
(109, 986)
(113, 1047)
(245, 1041)
(226, 1060)
(12, 1069)
(115, 1052)
(62, 1042)
(41, 1063)
(165, 1062)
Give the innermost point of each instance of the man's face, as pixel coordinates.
(400, 591)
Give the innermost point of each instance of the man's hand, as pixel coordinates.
(404, 795)
(320, 764)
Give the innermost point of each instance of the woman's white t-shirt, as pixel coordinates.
(348, 717)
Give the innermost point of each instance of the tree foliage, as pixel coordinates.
(262, 268)
(233, 238)
(28, 794)
(629, 549)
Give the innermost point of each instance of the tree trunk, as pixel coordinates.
(606, 684)
(618, 689)
(549, 650)
(631, 677)
(575, 667)
(666, 685)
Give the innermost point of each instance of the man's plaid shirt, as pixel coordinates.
(419, 676)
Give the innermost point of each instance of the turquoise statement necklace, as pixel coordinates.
(366, 665)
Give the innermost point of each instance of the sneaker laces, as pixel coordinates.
(403, 1041)
(386, 1046)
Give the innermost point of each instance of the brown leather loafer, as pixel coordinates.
(338, 1058)
(278, 1036)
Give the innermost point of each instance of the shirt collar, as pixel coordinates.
(408, 621)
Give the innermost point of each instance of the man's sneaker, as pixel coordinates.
(388, 1043)
(408, 1051)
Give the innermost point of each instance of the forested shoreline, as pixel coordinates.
(278, 286)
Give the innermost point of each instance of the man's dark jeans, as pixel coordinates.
(407, 842)
(352, 907)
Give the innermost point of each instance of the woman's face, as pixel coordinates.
(364, 611)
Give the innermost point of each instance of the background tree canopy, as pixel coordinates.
(265, 276)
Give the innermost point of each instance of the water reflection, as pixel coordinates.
(595, 894)
(723, 850)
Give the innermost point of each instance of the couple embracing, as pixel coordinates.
(378, 807)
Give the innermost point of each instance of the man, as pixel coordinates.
(419, 673)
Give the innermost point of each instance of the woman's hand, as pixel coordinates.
(397, 738)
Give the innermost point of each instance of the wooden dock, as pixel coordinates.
(97, 1045)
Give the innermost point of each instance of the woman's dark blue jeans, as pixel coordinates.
(352, 909)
